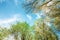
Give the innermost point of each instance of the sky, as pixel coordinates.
(12, 11)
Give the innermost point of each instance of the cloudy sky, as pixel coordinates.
(12, 11)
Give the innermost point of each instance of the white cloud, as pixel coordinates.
(6, 22)
(3, 21)
(29, 17)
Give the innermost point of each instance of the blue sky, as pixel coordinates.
(12, 11)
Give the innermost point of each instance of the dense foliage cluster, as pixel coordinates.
(40, 30)
(22, 31)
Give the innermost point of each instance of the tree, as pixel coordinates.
(50, 8)
(43, 32)
(3, 33)
(22, 29)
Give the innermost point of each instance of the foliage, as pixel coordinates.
(50, 8)
(22, 28)
(51, 13)
(43, 32)
(22, 31)
(3, 33)
(40, 30)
